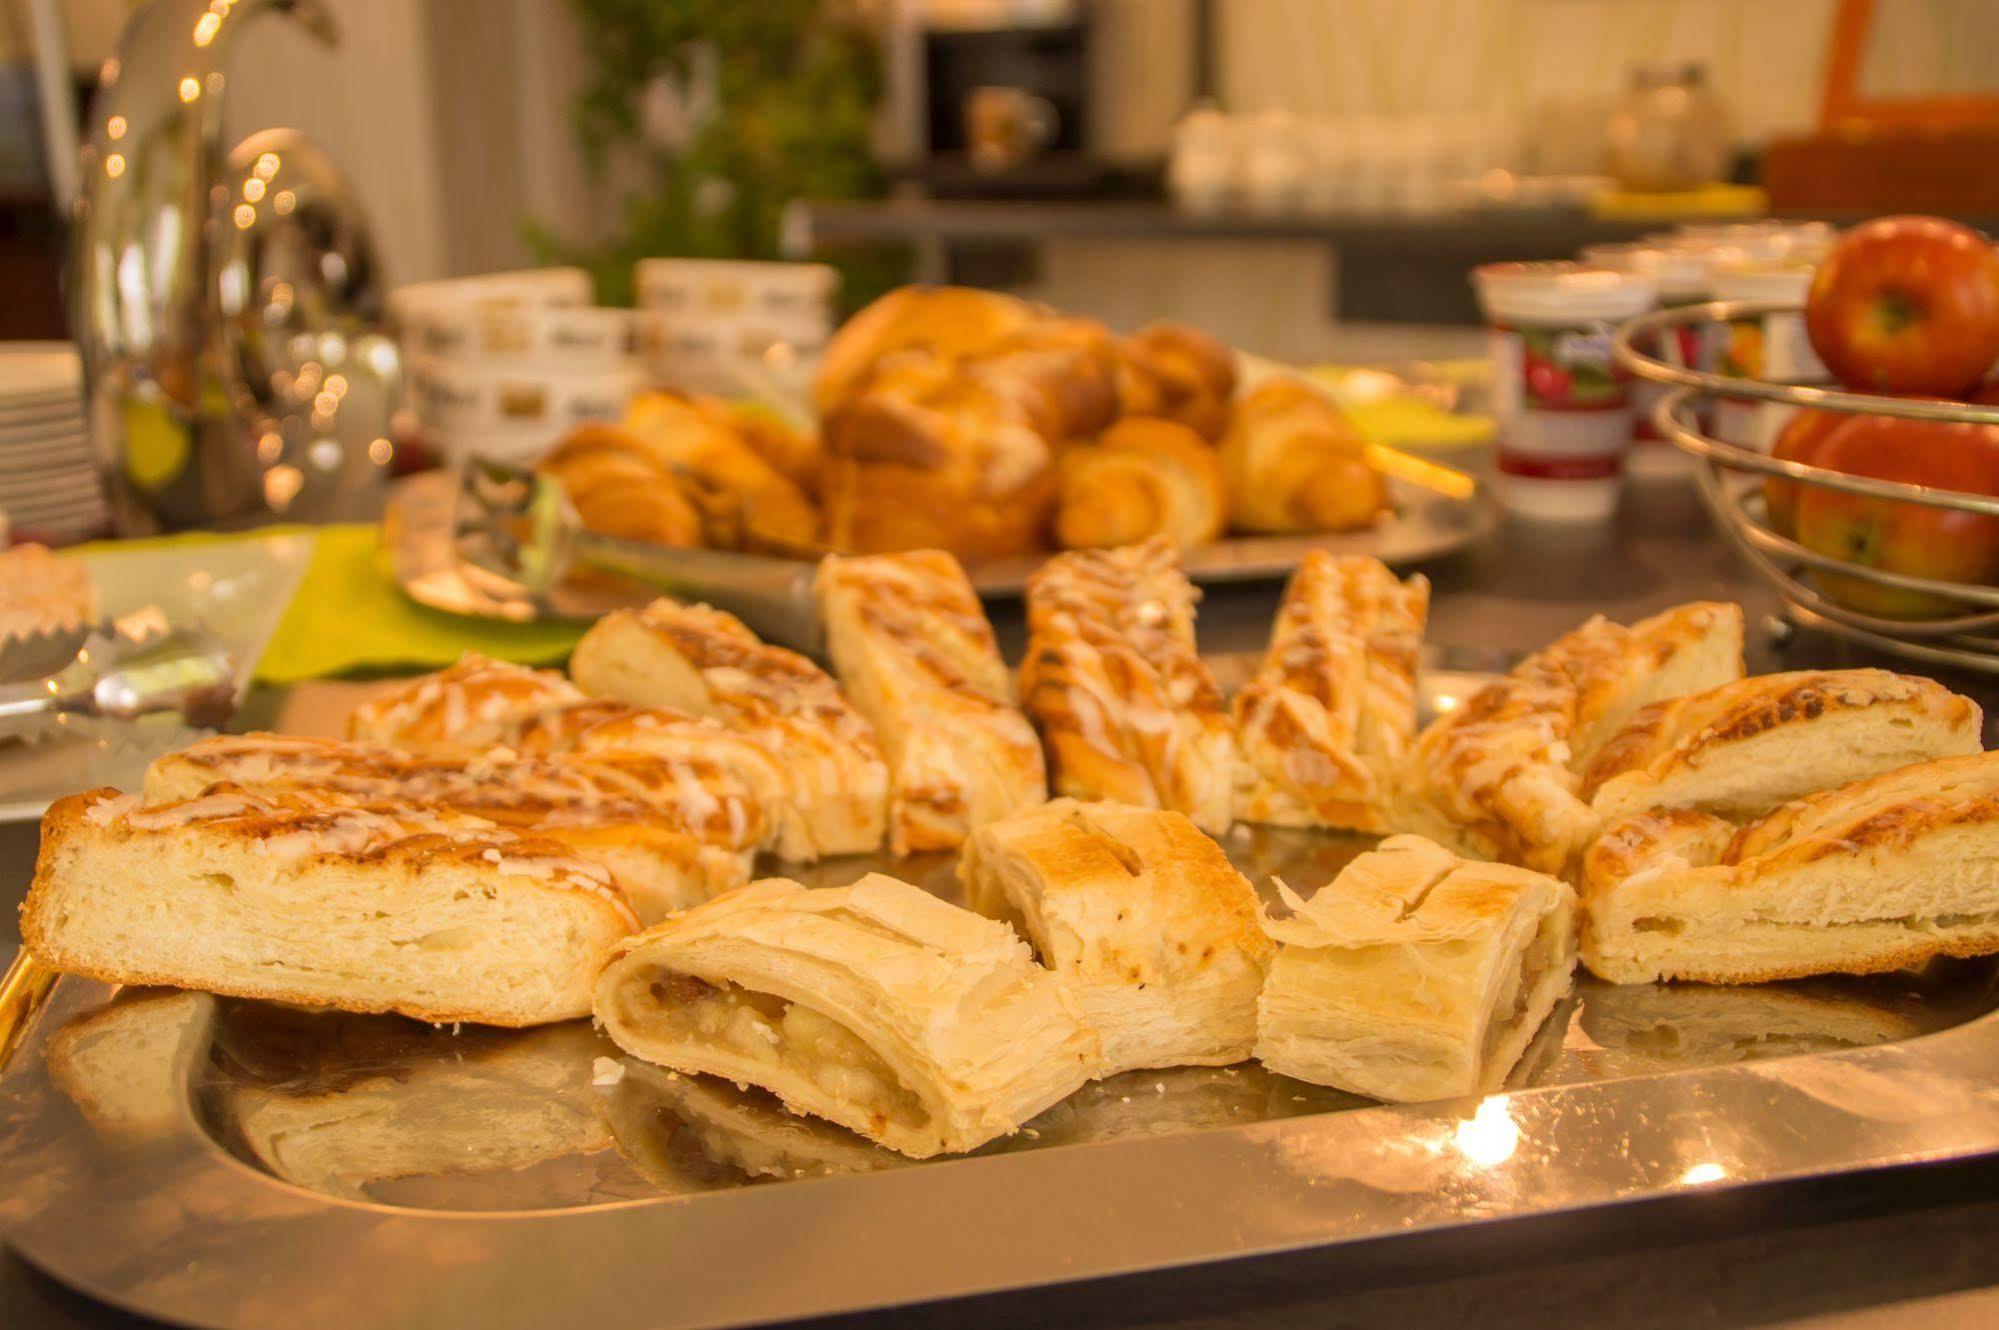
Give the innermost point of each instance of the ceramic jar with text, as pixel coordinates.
(1563, 403)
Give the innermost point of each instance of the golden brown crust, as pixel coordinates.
(619, 489)
(1181, 373)
(946, 322)
(1143, 477)
(473, 704)
(1326, 723)
(1296, 463)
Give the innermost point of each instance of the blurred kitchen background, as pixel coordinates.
(1330, 167)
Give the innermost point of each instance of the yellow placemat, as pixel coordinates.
(1399, 419)
(348, 616)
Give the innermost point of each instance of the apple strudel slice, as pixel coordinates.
(1113, 680)
(912, 647)
(1142, 913)
(1742, 749)
(296, 898)
(1416, 974)
(692, 658)
(908, 1020)
(1873, 876)
(1499, 777)
(672, 831)
(1327, 721)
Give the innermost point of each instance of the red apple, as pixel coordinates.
(1798, 441)
(1907, 305)
(1910, 538)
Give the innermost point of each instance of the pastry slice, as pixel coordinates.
(297, 898)
(1113, 680)
(474, 704)
(1742, 749)
(879, 1007)
(691, 658)
(1500, 777)
(1876, 875)
(1416, 974)
(672, 831)
(913, 648)
(1155, 931)
(1327, 722)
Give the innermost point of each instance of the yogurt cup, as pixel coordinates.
(1772, 347)
(1562, 401)
(1685, 274)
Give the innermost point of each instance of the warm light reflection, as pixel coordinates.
(114, 128)
(246, 216)
(205, 28)
(267, 166)
(114, 165)
(326, 454)
(253, 189)
(190, 88)
(1488, 1138)
(284, 202)
(214, 83)
(1702, 1174)
(270, 447)
(381, 452)
(107, 73)
(281, 486)
(336, 384)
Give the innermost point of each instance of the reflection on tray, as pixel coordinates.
(387, 1110)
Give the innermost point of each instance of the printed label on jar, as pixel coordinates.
(1557, 369)
(1542, 466)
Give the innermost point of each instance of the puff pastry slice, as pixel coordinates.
(1742, 749)
(1327, 722)
(474, 704)
(1155, 931)
(1113, 680)
(1500, 777)
(1873, 876)
(672, 831)
(1416, 974)
(691, 658)
(297, 898)
(913, 648)
(917, 1024)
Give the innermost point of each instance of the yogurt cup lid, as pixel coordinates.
(1786, 280)
(1681, 271)
(1562, 290)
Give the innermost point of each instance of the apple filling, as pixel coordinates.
(777, 1043)
(1540, 957)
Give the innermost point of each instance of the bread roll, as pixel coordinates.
(1416, 974)
(1143, 477)
(1326, 724)
(692, 658)
(295, 898)
(1877, 875)
(1127, 709)
(1180, 373)
(947, 322)
(1744, 748)
(1144, 916)
(1296, 463)
(912, 645)
(619, 489)
(1499, 777)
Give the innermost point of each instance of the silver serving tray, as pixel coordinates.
(417, 531)
(229, 1163)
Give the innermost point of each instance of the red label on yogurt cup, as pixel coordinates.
(1547, 466)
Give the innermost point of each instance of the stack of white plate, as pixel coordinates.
(49, 488)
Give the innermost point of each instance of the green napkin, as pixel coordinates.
(348, 615)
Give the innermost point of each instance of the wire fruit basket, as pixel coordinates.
(1729, 477)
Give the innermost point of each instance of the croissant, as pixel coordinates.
(1181, 373)
(1144, 477)
(682, 434)
(618, 489)
(1295, 463)
(1063, 371)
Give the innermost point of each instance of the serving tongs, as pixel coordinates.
(518, 536)
(121, 670)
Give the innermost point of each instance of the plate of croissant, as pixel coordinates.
(1001, 430)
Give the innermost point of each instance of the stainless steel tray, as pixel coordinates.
(417, 531)
(229, 1163)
